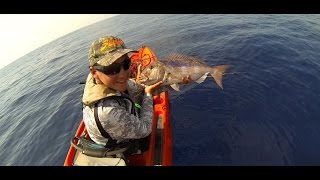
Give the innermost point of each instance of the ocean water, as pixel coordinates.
(267, 114)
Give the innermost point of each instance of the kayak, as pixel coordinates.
(159, 152)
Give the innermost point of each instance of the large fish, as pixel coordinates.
(172, 69)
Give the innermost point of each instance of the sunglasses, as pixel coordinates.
(114, 68)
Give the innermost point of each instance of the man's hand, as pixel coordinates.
(153, 87)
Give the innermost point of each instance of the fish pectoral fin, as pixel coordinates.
(202, 78)
(175, 87)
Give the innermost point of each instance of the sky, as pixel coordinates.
(23, 33)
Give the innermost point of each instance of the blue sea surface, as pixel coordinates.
(267, 114)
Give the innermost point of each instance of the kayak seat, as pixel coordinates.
(91, 154)
(90, 148)
(84, 160)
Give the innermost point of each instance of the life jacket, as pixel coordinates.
(111, 148)
(93, 94)
(112, 143)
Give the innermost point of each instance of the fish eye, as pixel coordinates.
(151, 67)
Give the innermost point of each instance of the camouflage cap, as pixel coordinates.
(106, 50)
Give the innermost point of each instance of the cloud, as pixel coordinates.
(22, 33)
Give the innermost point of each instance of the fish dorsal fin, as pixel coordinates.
(174, 56)
(202, 78)
(175, 87)
(183, 59)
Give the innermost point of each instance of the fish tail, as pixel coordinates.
(217, 73)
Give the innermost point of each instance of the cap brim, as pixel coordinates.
(115, 55)
(119, 53)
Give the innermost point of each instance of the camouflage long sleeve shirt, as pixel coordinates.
(117, 120)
